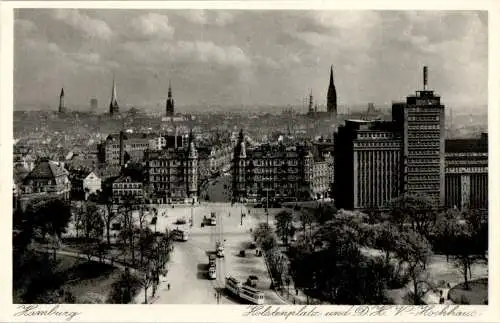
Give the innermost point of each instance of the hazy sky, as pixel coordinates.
(246, 57)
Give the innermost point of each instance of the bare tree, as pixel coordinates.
(128, 226)
(109, 216)
(414, 252)
(91, 222)
(146, 278)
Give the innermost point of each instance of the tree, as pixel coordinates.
(92, 222)
(264, 236)
(127, 232)
(414, 209)
(48, 217)
(124, 288)
(146, 278)
(77, 212)
(414, 252)
(445, 230)
(463, 246)
(325, 212)
(386, 239)
(105, 197)
(283, 225)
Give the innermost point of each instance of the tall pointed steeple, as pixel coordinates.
(331, 99)
(113, 105)
(62, 107)
(170, 101)
(311, 101)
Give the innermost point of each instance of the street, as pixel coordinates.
(188, 266)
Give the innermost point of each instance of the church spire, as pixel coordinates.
(170, 101)
(331, 99)
(62, 107)
(113, 105)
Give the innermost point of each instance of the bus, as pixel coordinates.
(245, 292)
(180, 235)
(212, 274)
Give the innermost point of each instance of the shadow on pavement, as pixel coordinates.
(202, 273)
(230, 296)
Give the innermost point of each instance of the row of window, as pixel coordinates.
(425, 135)
(423, 153)
(260, 162)
(127, 192)
(376, 144)
(165, 163)
(423, 118)
(425, 127)
(127, 186)
(375, 135)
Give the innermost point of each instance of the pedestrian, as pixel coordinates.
(296, 292)
(168, 286)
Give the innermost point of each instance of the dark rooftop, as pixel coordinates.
(472, 145)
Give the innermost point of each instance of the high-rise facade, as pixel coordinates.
(170, 102)
(331, 99)
(377, 161)
(421, 121)
(367, 164)
(114, 108)
(466, 175)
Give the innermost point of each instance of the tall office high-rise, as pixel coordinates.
(367, 164)
(331, 98)
(170, 102)
(421, 121)
(114, 108)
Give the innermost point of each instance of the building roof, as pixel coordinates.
(127, 179)
(81, 173)
(47, 170)
(20, 173)
(470, 145)
(133, 135)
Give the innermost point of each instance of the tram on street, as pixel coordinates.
(248, 293)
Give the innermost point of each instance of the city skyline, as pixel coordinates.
(81, 49)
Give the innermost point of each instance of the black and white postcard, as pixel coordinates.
(250, 161)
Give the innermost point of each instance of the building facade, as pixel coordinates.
(125, 188)
(421, 121)
(277, 172)
(172, 175)
(48, 179)
(377, 161)
(134, 146)
(367, 167)
(466, 173)
(84, 182)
